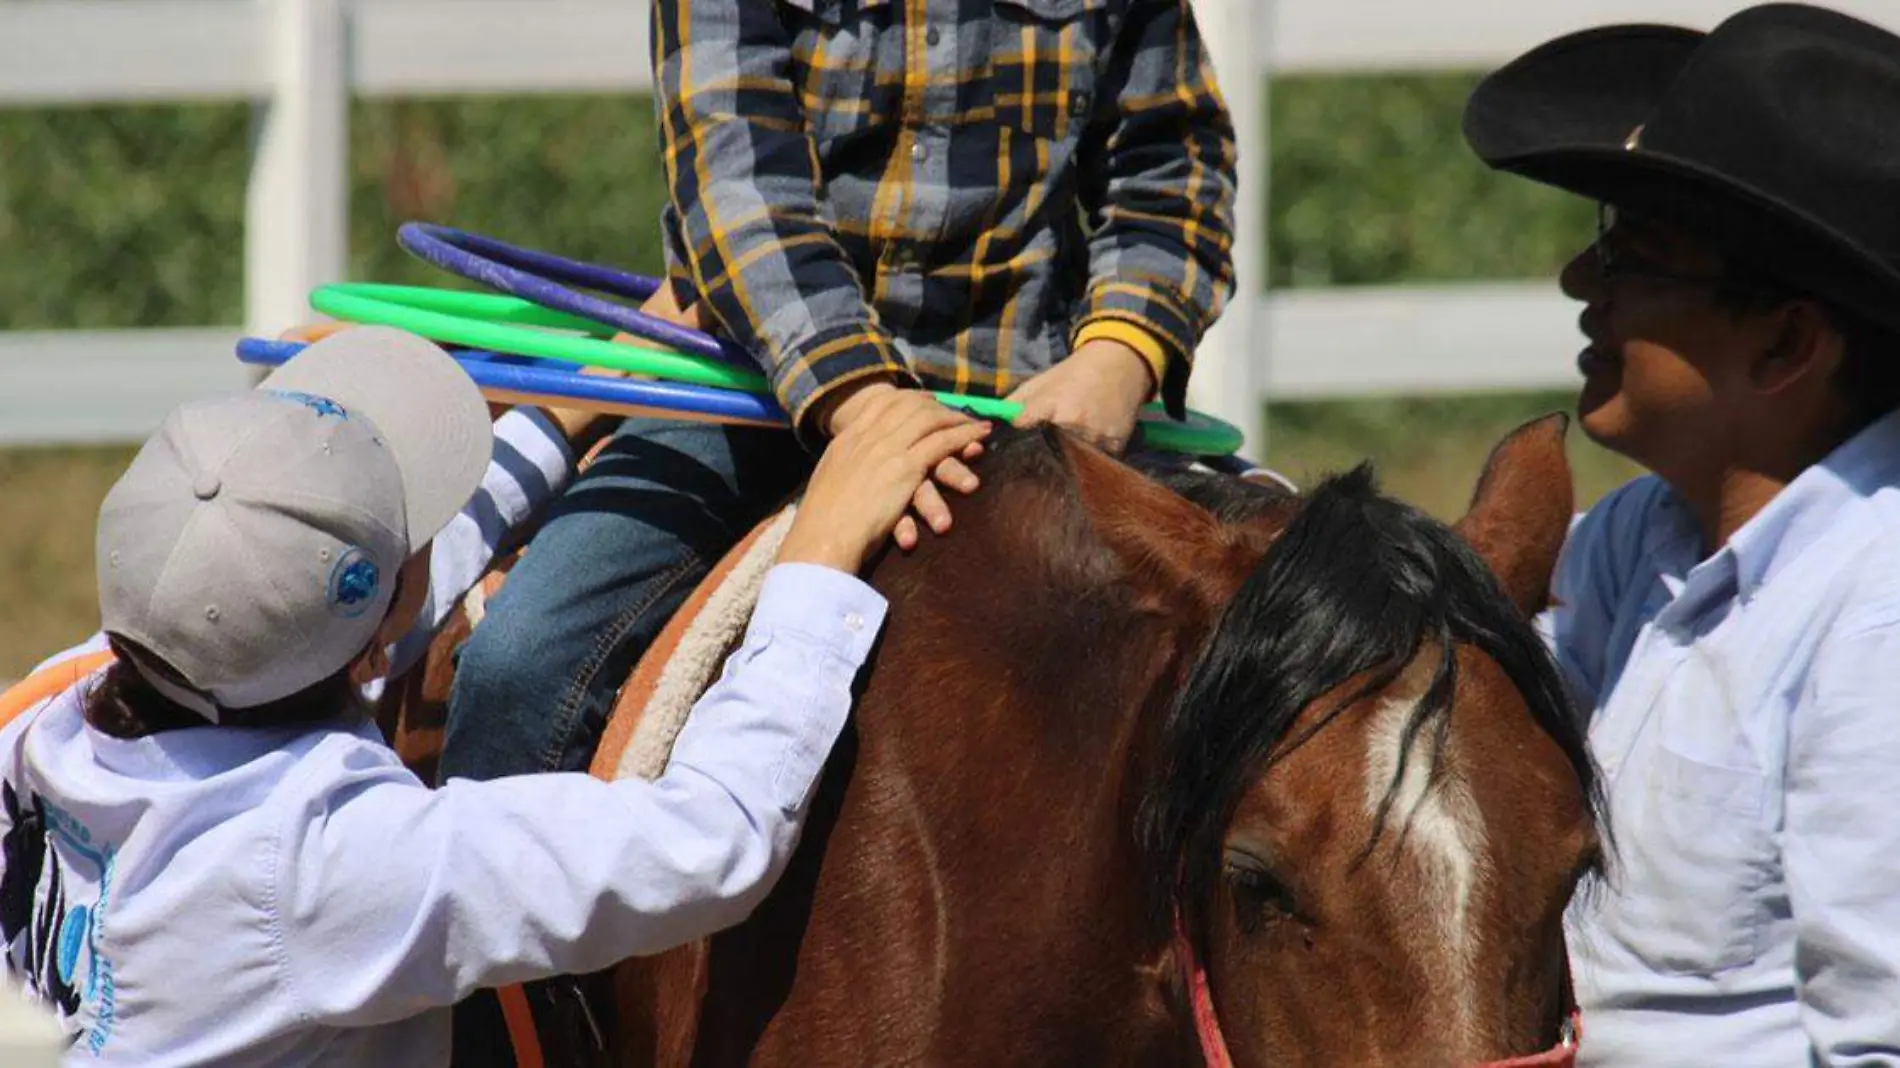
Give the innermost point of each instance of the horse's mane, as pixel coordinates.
(1230, 499)
(1354, 588)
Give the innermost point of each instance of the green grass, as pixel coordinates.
(1428, 451)
(52, 497)
(1372, 184)
(133, 216)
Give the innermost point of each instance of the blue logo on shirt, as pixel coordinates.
(54, 941)
(354, 582)
(323, 406)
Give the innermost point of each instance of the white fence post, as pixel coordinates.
(1230, 366)
(297, 212)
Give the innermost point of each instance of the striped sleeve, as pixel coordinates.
(1161, 257)
(742, 177)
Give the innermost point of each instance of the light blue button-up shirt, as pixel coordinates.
(1745, 710)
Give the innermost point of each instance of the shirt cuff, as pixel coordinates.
(1161, 317)
(826, 361)
(526, 437)
(837, 612)
(1144, 343)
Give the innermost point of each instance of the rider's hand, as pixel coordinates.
(872, 472)
(1095, 393)
(663, 305)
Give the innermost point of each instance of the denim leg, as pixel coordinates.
(618, 554)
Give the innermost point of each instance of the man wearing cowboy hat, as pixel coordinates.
(1731, 623)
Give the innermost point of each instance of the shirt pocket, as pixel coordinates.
(1698, 867)
(836, 46)
(1043, 60)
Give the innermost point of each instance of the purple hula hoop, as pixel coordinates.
(558, 382)
(546, 279)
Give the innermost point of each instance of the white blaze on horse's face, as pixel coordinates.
(1415, 887)
(1437, 822)
(1396, 897)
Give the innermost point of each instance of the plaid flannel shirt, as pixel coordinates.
(951, 192)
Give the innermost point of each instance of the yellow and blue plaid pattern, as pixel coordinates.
(950, 191)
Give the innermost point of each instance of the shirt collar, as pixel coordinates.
(1813, 504)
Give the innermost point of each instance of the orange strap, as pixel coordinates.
(521, 1032)
(51, 682)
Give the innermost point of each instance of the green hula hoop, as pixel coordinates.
(509, 324)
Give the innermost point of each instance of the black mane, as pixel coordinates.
(1356, 585)
(1229, 498)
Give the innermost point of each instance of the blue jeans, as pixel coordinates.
(617, 556)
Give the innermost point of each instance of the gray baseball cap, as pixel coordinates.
(254, 543)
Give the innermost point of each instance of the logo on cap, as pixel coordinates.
(353, 584)
(320, 405)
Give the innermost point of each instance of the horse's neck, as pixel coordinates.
(969, 886)
(983, 842)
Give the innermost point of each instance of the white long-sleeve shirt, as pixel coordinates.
(295, 896)
(1745, 710)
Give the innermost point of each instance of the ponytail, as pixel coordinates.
(125, 705)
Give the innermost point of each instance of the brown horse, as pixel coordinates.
(1167, 769)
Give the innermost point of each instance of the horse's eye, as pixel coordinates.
(1260, 898)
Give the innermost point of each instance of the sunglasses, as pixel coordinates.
(1614, 266)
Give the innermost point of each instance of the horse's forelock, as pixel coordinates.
(1355, 588)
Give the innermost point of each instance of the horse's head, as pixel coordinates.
(1373, 800)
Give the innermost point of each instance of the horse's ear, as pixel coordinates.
(1521, 511)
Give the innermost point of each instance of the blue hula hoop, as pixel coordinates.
(538, 278)
(548, 280)
(552, 382)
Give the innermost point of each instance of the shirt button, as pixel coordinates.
(853, 622)
(1079, 101)
(919, 151)
(933, 35)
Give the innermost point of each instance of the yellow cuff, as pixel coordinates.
(1143, 342)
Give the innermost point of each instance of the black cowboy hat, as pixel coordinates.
(1776, 135)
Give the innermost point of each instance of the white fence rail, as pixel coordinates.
(301, 61)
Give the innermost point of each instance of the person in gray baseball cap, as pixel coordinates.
(209, 854)
(256, 545)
